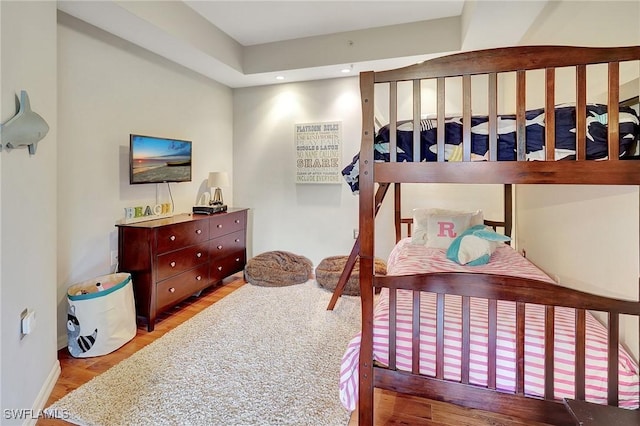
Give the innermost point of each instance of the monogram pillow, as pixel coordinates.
(435, 227)
(442, 229)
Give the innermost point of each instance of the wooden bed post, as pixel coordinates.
(397, 196)
(366, 235)
(508, 209)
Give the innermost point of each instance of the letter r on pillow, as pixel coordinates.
(446, 230)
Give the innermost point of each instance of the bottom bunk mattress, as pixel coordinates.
(408, 258)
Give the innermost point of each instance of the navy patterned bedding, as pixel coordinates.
(565, 137)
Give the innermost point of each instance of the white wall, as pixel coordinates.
(29, 365)
(313, 220)
(587, 237)
(316, 220)
(110, 88)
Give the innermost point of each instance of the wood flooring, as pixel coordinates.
(394, 409)
(391, 408)
(77, 371)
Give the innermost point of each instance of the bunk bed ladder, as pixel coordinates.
(353, 256)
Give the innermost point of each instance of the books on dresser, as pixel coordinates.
(212, 209)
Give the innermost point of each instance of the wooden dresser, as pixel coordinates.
(173, 258)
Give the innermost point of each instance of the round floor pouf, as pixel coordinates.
(277, 269)
(329, 270)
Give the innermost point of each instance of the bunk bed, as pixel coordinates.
(404, 292)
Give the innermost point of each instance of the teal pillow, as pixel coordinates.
(475, 246)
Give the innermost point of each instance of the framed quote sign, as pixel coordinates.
(318, 152)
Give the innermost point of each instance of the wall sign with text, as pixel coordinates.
(318, 152)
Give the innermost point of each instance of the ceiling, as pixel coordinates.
(258, 22)
(250, 43)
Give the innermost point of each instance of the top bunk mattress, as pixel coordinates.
(565, 130)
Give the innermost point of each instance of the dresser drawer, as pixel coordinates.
(172, 290)
(179, 235)
(225, 245)
(175, 257)
(224, 224)
(223, 267)
(178, 261)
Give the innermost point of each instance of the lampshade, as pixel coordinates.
(218, 179)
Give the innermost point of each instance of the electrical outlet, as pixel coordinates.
(27, 322)
(355, 233)
(114, 257)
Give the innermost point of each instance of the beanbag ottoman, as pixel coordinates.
(329, 270)
(278, 268)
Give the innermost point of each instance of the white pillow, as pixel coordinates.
(419, 231)
(421, 218)
(475, 246)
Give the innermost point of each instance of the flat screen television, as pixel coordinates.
(157, 160)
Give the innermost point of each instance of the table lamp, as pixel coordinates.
(217, 180)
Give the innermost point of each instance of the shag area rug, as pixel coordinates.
(260, 356)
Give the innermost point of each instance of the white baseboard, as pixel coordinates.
(45, 392)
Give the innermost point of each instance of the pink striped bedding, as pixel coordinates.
(407, 258)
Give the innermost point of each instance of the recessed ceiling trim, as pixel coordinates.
(183, 33)
(394, 41)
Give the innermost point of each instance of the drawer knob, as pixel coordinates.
(219, 225)
(237, 220)
(237, 259)
(220, 247)
(172, 290)
(198, 254)
(199, 277)
(219, 268)
(173, 264)
(237, 240)
(198, 231)
(172, 238)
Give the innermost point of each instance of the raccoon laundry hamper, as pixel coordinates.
(101, 316)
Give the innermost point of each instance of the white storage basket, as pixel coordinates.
(99, 321)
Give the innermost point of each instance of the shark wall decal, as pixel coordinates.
(25, 129)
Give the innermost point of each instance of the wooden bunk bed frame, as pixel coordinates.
(613, 171)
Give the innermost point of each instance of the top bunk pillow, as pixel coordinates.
(437, 228)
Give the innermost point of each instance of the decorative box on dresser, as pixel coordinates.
(173, 258)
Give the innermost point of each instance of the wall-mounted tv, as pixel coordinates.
(156, 160)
